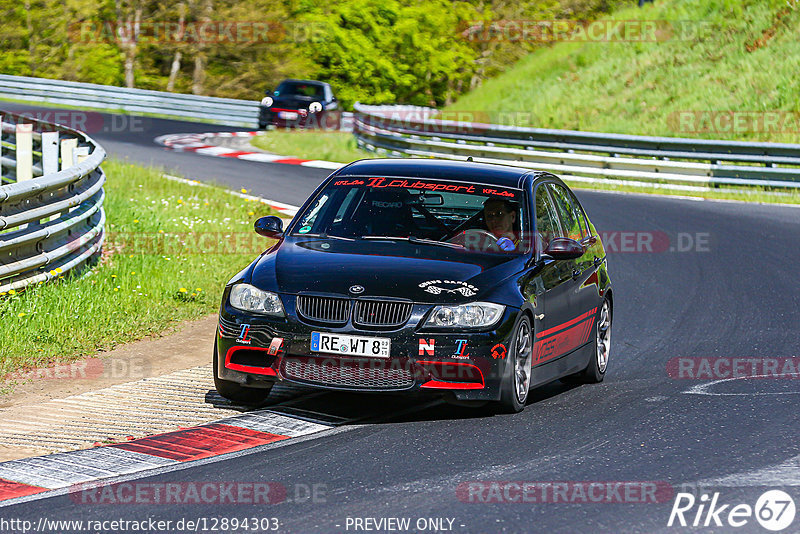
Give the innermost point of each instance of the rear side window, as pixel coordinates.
(570, 212)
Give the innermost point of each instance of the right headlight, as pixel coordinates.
(472, 315)
(249, 298)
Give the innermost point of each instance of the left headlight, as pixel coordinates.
(267, 101)
(472, 315)
(249, 298)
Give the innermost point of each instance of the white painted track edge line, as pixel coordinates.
(278, 205)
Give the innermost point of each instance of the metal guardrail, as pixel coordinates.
(88, 95)
(227, 111)
(51, 200)
(411, 131)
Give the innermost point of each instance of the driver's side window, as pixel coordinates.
(546, 219)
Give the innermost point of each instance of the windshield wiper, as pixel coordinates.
(410, 239)
(323, 235)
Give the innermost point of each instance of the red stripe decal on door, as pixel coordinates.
(588, 332)
(12, 490)
(200, 442)
(562, 342)
(550, 331)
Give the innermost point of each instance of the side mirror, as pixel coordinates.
(564, 248)
(268, 92)
(269, 226)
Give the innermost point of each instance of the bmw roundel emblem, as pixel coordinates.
(356, 290)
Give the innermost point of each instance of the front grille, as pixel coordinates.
(382, 312)
(324, 309)
(357, 374)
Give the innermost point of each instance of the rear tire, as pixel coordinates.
(236, 392)
(517, 382)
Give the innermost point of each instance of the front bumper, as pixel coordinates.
(258, 352)
(299, 118)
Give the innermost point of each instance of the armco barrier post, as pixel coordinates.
(24, 144)
(67, 147)
(80, 154)
(49, 153)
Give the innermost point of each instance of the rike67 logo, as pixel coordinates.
(774, 510)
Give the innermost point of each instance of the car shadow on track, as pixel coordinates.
(339, 408)
(444, 411)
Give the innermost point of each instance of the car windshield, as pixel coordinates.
(475, 217)
(299, 89)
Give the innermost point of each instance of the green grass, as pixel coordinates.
(312, 144)
(639, 88)
(171, 248)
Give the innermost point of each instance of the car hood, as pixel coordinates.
(422, 273)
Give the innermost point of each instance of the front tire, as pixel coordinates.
(236, 392)
(595, 372)
(515, 388)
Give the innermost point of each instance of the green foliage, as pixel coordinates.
(731, 56)
(380, 52)
(99, 63)
(375, 51)
(14, 62)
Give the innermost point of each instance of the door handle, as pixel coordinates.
(575, 274)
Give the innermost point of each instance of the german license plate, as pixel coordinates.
(371, 347)
(288, 115)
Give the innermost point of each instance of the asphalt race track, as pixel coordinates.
(732, 293)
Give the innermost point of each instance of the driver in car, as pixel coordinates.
(501, 220)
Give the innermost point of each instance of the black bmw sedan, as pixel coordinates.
(476, 282)
(300, 104)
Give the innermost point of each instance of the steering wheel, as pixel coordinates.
(475, 236)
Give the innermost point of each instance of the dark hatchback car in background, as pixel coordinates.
(472, 281)
(300, 104)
